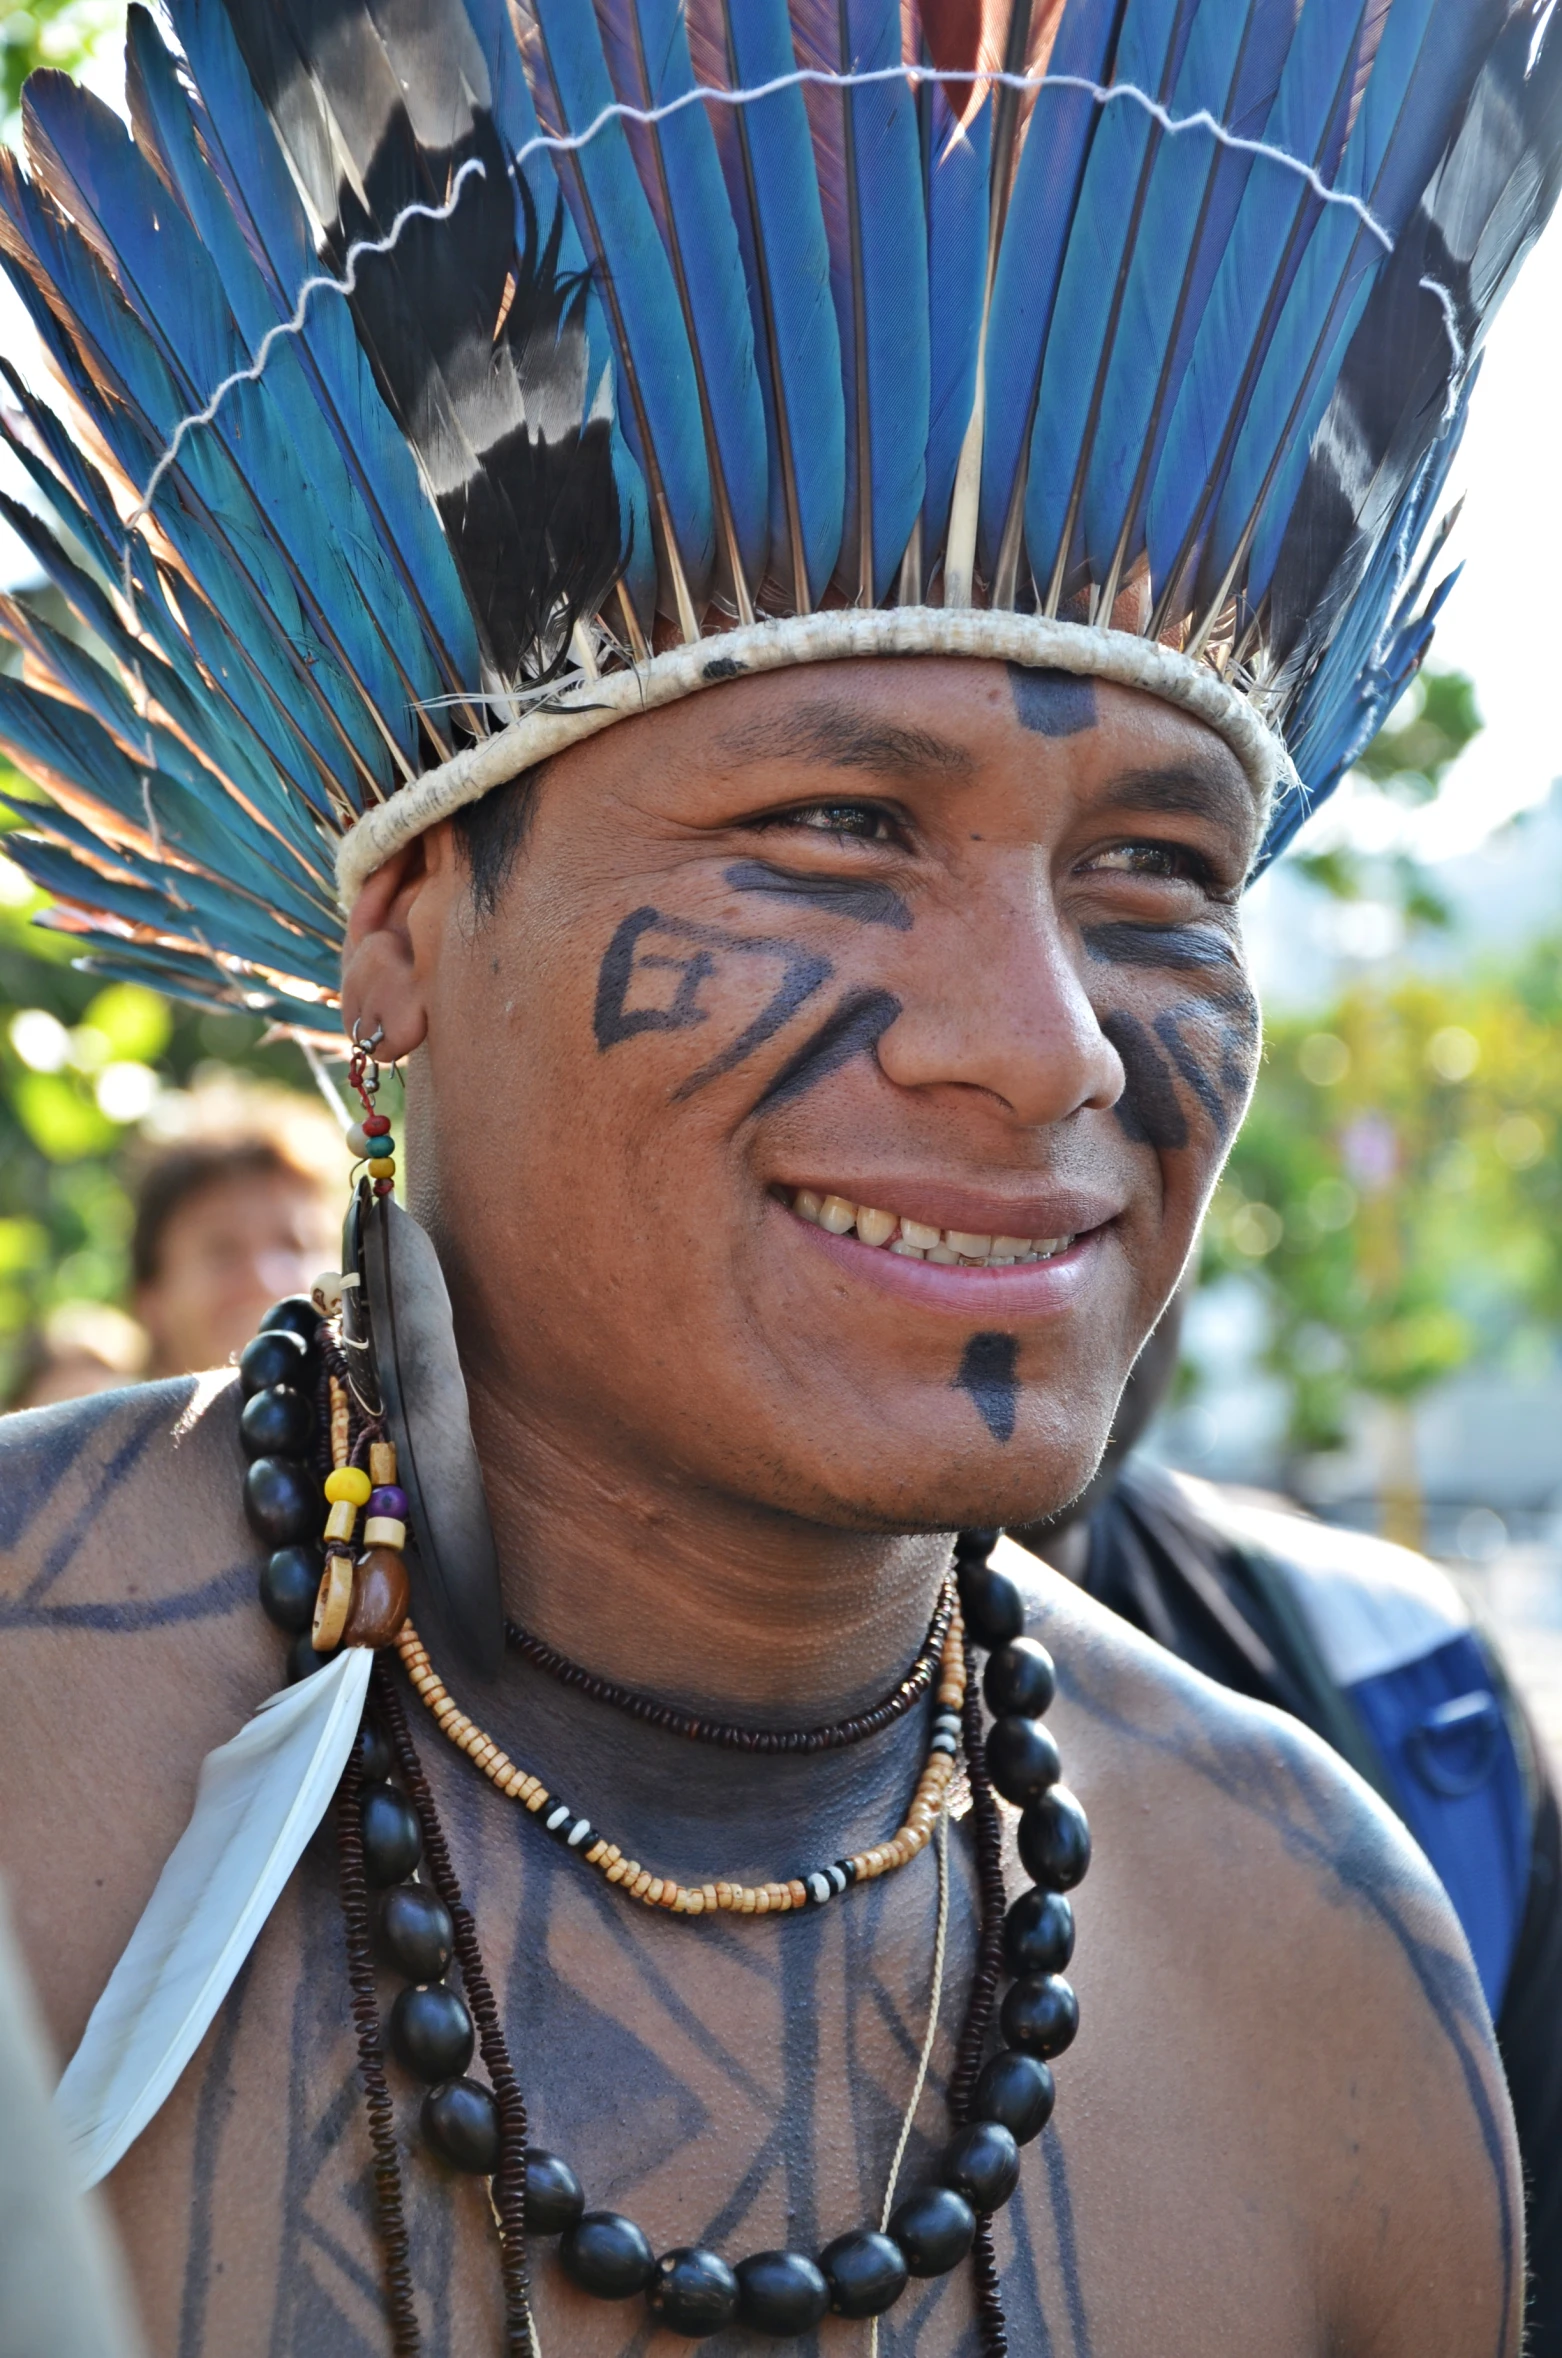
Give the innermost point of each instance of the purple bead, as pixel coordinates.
(389, 1501)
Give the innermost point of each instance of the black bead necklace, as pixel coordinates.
(389, 1831)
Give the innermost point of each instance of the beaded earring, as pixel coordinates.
(398, 1334)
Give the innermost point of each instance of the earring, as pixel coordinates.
(398, 1332)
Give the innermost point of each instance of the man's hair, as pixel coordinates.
(491, 832)
(177, 1174)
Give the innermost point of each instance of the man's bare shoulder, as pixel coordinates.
(1253, 1902)
(132, 1644)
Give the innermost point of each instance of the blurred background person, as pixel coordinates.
(80, 1347)
(237, 1200)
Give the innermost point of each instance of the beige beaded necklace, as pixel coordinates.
(701, 1899)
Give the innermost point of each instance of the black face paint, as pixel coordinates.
(1185, 948)
(840, 896)
(1148, 1108)
(1224, 1095)
(855, 1029)
(647, 946)
(1052, 703)
(987, 1373)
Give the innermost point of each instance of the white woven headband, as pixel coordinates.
(582, 707)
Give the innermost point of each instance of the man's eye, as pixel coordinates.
(1172, 860)
(862, 820)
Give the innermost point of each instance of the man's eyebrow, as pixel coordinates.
(1203, 793)
(843, 738)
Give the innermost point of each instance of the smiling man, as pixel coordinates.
(792, 851)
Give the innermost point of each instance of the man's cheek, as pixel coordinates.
(1188, 1071)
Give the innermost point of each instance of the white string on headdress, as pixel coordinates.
(570, 142)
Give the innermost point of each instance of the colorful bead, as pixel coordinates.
(333, 1602)
(384, 1531)
(326, 1293)
(382, 1464)
(382, 1597)
(386, 1499)
(377, 1125)
(382, 1167)
(357, 1142)
(341, 1519)
(384, 1186)
(348, 1482)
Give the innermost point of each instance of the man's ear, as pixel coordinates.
(387, 956)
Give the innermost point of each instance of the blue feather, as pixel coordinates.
(957, 160)
(658, 385)
(1109, 230)
(320, 453)
(204, 505)
(1229, 70)
(868, 169)
(264, 255)
(164, 272)
(766, 151)
(647, 53)
(1266, 241)
(1036, 230)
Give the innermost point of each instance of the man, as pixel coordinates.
(820, 1042)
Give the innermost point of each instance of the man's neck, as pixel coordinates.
(698, 1598)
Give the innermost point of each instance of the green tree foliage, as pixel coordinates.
(1395, 1189)
(50, 33)
(81, 1061)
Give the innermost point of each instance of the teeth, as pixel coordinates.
(950, 1248)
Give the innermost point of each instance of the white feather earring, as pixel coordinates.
(259, 1799)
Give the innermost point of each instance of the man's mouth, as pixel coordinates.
(886, 1231)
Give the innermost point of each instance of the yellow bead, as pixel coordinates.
(348, 1482)
(383, 1166)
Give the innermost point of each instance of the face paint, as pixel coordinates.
(1148, 1109)
(1183, 948)
(855, 1029)
(1052, 703)
(1222, 1096)
(838, 896)
(646, 947)
(987, 1373)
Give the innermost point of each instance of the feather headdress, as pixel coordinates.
(437, 377)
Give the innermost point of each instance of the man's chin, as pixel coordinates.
(963, 1496)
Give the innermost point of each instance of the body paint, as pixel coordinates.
(838, 896)
(1051, 703)
(647, 946)
(987, 1367)
(854, 1029)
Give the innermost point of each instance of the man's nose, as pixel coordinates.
(996, 1004)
